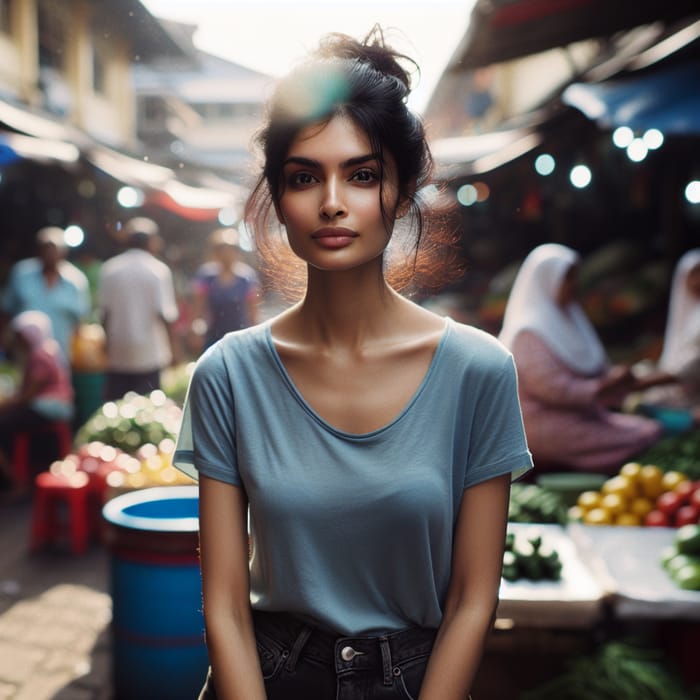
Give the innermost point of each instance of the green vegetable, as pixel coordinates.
(531, 559)
(676, 452)
(620, 670)
(530, 503)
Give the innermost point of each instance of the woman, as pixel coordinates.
(370, 442)
(567, 385)
(679, 364)
(45, 392)
(225, 289)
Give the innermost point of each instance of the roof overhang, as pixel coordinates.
(666, 99)
(502, 30)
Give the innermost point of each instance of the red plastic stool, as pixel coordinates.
(56, 493)
(21, 449)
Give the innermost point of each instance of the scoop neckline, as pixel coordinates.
(291, 386)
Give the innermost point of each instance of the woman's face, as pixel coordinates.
(330, 203)
(567, 289)
(693, 281)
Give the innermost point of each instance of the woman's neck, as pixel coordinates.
(348, 308)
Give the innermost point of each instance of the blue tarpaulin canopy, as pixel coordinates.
(667, 99)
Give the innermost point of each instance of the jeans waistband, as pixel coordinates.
(346, 653)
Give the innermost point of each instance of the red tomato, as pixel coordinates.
(655, 518)
(669, 503)
(687, 515)
(685, 489)
(695, 496)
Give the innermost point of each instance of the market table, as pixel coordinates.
(614, 568)
(575, 601)
(627, 562)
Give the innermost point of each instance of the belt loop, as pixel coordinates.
(297, 648)
(386, 660)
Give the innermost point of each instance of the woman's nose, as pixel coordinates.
(332, 205)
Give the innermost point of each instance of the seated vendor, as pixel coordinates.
(568, 388)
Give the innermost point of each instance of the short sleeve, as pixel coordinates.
(498, 445)
(206, 442)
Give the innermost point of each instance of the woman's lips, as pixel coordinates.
(334, 237)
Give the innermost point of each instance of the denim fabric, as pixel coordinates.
(303, 663)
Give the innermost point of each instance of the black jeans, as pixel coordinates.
(304, 663)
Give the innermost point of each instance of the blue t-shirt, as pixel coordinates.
(353, 532)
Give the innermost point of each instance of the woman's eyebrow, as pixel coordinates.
(311, 163)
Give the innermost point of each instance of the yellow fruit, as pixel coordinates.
(614, 503)
(631, 470)
(588, 500)
(641, 506)
(630, 519)
(650, 479)
(671, 479)
(621, 485)
(597, 516)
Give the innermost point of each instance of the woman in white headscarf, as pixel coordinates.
(679, 364)
(566, 382)
(45, 391)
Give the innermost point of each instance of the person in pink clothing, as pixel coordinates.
(568, 389)
(45, 391)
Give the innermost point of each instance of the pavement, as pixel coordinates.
(55, 613)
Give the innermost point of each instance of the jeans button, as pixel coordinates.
(348, 653)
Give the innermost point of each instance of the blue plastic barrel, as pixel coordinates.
(158, 648)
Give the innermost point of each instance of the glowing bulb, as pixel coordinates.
(580, 176)
(544, 164)
(692, 192)
(622, 136)
(653, 139)
(637, 151)
(130, 197)
(467, 195)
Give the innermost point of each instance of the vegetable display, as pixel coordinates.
(132, 422)
(530, 558)
(682, 559)
(676, 452)
(641, 494)
(530, 503)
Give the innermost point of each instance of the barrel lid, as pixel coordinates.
(158, 509)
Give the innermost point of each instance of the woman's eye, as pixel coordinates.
(365, 175)
(301, 179)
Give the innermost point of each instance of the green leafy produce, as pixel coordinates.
(620, 670)
(133, 421)
(676, 452)
(530, 503)
(529, 558)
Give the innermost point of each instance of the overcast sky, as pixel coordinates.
(269, 35)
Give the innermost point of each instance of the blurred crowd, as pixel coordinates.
(120, 319)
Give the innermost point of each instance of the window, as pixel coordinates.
(99, 71)
(5, 16)
(52, 39)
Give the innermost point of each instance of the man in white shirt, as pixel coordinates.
(137, 301)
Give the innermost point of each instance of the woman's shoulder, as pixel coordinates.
(242, 346)
(468, 339)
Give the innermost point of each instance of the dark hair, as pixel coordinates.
(366, 82)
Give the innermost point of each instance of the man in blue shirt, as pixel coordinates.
(51, 284)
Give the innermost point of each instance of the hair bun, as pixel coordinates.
(372, 50)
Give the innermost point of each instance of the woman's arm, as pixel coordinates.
(226, 591)
(473, 593)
